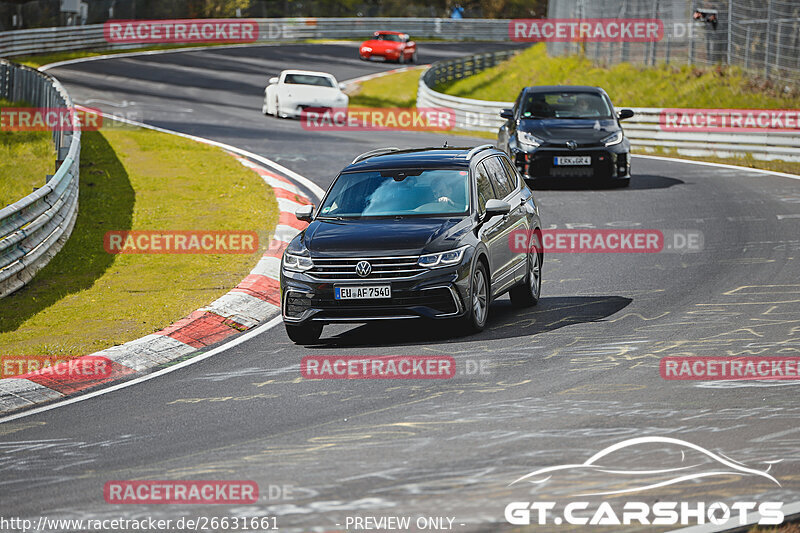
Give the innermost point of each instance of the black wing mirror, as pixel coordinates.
(507, 113)
(625, 113)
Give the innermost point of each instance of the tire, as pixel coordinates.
(264, 108)
(622, 183)
(401, 58)
(475, 319)
(528, 292)
(305, 334)
(413, 57)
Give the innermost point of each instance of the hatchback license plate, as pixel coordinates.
(362, 293)
(573, 160)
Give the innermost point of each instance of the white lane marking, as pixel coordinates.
(196, 359)
(718, 165)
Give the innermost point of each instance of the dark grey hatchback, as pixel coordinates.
(409, 234)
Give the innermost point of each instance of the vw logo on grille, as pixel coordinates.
(363, 269)
(572, 145)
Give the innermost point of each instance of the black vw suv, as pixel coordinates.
(410, 234)
(567, 132)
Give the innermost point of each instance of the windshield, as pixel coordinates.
(398, 193)
(388, 37)
(565, 105)
(307, 79)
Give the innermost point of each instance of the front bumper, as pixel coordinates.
(611, 162)
(438, 294)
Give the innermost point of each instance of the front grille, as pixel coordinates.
(439, 299)
(382, 268)
(572, 172)
(542, 165)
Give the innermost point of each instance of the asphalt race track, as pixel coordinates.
(560, 381)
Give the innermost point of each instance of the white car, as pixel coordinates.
(295, 90)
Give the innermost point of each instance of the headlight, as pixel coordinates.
(366, 49)
(442, 259)
(526, 139)
(297, 263)
(614, 138)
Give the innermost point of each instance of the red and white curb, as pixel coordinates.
(253, 301)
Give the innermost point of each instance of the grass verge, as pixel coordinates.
(393, 90)
(26, 157)
(85, 299)
(627, 84)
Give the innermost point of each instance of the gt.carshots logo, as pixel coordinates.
(626, 465)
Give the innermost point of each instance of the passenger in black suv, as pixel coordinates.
(408, 234)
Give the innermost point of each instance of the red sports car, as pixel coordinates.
(391, 45)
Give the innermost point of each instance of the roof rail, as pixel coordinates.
(478, 149)
(372, 153)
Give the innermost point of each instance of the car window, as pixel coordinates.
(307, 79)
(574, 105)
(383, 193)
(511, 172)
(485, 188)
(388, 37)
(497, 173)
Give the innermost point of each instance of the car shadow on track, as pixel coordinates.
(638, 182)
(505, 322)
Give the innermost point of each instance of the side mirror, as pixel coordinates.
(625, 113)
(273, 81)
(342, 86)
(507, 113)
(495, 207)
(305, 213)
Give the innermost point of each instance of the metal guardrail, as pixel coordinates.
(44, 40)
(643, 129)
(34, 229)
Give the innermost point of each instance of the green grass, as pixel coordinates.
(26, 157)
(85, 299)
(627, 84)
(392, 90)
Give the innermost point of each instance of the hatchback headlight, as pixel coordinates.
(528, 140)
(442, 259)
(297, 262)
(614, 138)
(366, 49)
